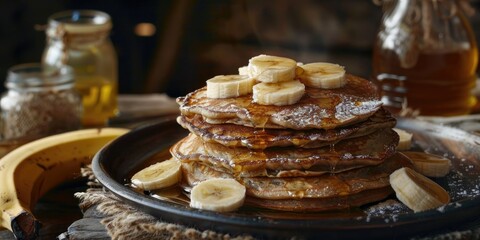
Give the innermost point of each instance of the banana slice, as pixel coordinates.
(272, 69)
(159, 175)
(279, 94)
(218, 194)
(227, 86)
(243, 71)
(405, 139)
(429, 165)
(323, 75)
(417, 191)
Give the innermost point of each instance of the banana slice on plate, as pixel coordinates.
(159, 175)
(279, 94)
(218, 194)
(227, 86)
(416, 191)
(323, 75)
(405, 141)
(272, 69)
(429, 165)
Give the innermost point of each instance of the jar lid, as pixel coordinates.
(34, 75)
(80, 21)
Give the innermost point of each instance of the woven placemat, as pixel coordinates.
(123, 221)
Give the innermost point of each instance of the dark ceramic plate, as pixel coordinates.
(114, 165)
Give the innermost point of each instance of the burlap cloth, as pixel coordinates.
(123, 221)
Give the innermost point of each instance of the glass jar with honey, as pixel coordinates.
(80, 38)
(425, 58)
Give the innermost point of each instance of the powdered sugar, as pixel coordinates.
(303, 116)
(388, 210)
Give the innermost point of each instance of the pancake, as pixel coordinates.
(326, 192)
(362, 151)
(322, 204)
(318, 108)
(232, 135)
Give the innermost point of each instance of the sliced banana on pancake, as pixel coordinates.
(218, 194)
(318, 108)
(243, 71)
(417, 191)
(323, 75)
(272, 69)
(279, 94)
(227, 86)
(159, 175)
(429, 165)
(405, 141)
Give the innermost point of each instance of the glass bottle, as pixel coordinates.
(39, 102)
(80, 38)
(425, 58)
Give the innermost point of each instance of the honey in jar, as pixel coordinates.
(79, 39)
(425, 58)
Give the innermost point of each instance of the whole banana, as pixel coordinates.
(31, 170)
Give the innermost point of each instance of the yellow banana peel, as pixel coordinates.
(31, 170)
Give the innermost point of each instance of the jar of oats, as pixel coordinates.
(39, 102)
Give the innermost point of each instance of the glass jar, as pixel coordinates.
(425, 58)
(80, 39)
(39, 102)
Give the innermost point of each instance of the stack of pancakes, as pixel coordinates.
(333, 149)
